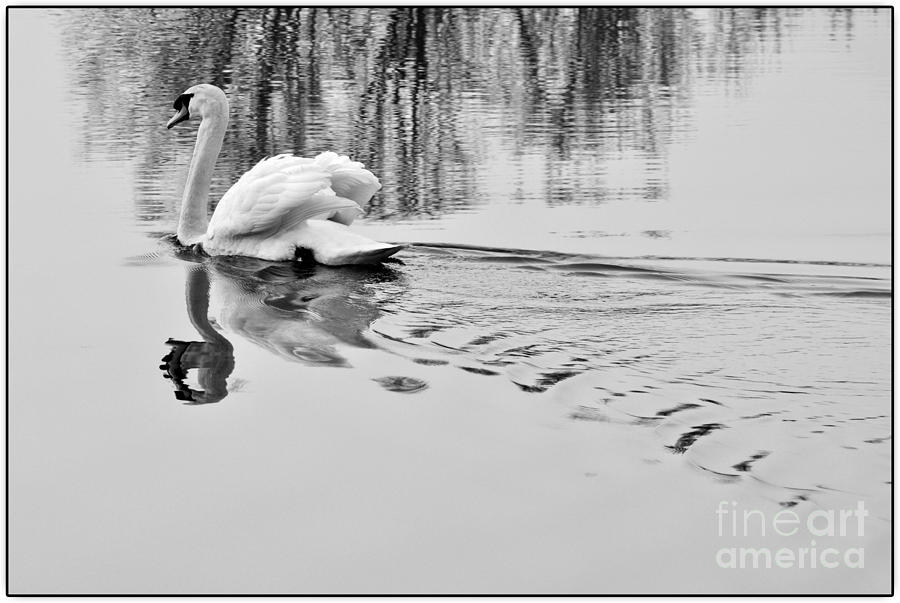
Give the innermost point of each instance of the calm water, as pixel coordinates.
(650, 271)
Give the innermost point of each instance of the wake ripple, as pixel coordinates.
(748, 372)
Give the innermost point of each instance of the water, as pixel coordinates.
(649, 271)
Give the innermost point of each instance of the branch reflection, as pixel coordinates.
(434, 100)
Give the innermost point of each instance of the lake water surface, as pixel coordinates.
(649, 271)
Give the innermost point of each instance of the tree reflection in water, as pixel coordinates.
(450, 107)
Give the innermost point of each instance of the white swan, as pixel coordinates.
(282, 204)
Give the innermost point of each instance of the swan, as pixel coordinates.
(281, 206)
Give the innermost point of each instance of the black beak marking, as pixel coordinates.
(182, 106)
(183, 100)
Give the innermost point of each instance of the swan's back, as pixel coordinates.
(265, 213)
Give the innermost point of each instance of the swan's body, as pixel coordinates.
(282, 204)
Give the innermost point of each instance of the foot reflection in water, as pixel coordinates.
(301, 313)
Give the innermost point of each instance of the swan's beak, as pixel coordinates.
(179, 117)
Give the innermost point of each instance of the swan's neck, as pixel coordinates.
(194, 219)
(197, 296)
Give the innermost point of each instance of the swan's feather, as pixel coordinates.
(277, 194)
(349, 179)
(285, 202)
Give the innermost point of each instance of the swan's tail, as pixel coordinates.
(336, 245)
(364, 254)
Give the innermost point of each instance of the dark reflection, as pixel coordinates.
(212, 358)
(301, 313)
(435, 101)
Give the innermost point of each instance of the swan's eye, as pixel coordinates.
(182, 101)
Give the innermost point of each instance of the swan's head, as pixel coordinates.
(201, 101)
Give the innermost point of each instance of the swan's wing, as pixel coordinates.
(349, 179)
(277, 194)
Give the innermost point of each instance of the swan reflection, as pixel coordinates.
(301, 313)
(213, 358)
